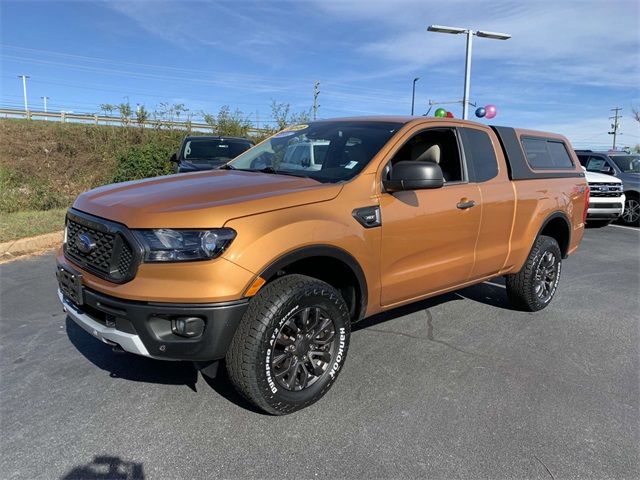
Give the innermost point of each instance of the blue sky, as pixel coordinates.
(567, 65)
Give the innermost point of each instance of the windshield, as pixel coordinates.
(324, 151)
(627, 163)
(212, 150)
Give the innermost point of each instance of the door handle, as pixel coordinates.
(467, 204)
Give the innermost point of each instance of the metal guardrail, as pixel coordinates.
(107, 120)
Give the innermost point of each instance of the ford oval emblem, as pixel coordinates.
(85, 243)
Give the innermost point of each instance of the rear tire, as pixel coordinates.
(533, 287)
(290, 345)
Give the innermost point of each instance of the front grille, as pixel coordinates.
(605, 189)
(100, 256)
(101, 247)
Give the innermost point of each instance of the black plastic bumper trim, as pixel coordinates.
(152, 323)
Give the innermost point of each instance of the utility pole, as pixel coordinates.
(316, 92)
(24, 91)
(615, 125)
(45, 98)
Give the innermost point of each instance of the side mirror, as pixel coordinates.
(174, 158)
(607, 170)
(414, 175)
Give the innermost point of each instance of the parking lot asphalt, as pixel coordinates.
(459, 386)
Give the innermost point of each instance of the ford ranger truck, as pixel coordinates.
(268, 267)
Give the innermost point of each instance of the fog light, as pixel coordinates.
(187, 326)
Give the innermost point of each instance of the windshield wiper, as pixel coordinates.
(270, 170)
(280, 172)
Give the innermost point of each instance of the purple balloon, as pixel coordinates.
(480, 112)
(491, 111)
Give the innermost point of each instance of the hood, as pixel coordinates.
(593, 177)
(630, 179)
(201, 199)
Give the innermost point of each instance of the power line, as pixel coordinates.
(209, 73)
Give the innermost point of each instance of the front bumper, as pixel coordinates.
(144, 328)
(599, 212)
(605, 207)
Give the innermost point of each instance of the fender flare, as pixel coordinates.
(553, 216)
(323, 251)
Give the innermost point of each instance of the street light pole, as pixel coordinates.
(467, 68)
(467, 76)
(45, 98)
(24, 91)
(413, 95)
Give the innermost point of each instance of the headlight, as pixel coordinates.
(166, 245)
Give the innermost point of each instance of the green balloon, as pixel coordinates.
(441, 112)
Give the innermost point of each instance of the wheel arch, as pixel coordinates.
(330, 264)
(557, 226)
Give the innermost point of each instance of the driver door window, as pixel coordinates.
(438, 145)
(599, 165)
(428, 236)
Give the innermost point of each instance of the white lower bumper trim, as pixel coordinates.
(128, 341)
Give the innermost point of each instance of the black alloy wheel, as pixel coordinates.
(546, 276)
(304, 349)
(291, 344)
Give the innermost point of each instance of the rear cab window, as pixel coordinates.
(546, 153)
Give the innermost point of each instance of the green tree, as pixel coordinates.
(142, 116)
(107, 108)
(210, 120)
(281, 113)
(178, 109)
(232, 124)
(125, 112)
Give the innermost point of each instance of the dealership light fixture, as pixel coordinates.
(467, 69)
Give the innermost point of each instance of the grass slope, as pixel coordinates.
(30, 223)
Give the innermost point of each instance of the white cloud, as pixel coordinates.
(569, 41)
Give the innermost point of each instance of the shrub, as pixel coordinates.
(141, 161)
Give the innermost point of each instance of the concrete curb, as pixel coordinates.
(26, 246)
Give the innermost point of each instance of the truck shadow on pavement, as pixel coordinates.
(128, 366)
(140, 369)
(108, 468)
(492, 294)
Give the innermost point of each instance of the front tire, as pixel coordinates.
(290, 345)
(533, 287)
(631, 214)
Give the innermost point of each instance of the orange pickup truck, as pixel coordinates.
(267, 263)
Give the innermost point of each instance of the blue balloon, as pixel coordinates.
(480, 112)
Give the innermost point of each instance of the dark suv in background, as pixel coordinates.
(206, 152)
(625, 166)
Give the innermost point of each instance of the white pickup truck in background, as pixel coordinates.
(606, 199)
